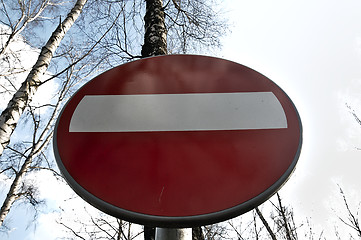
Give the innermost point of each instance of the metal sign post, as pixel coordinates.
(173, 234)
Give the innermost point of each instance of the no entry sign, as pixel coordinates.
(178, 140)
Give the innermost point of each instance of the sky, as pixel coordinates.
(312, 50)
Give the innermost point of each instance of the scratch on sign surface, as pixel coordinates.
(160, 195)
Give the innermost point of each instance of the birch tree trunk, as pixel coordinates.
(13, 195)
(15, 192)
(155, 36)
(11, 115)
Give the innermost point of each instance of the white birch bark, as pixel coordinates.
(155, 36)
(45, 137)
(11, 115)
(14, 192)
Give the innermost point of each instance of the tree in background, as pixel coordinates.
(103, 227)
(30, 12)
(352, 217)
(30, 153)
(283, 219)
(11, 115)
(272, 220)
(16, 106)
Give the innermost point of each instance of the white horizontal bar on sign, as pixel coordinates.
(178, 112)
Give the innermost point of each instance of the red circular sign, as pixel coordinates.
(178, 140)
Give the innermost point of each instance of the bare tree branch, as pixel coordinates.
(352, 221)
(265, 223)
